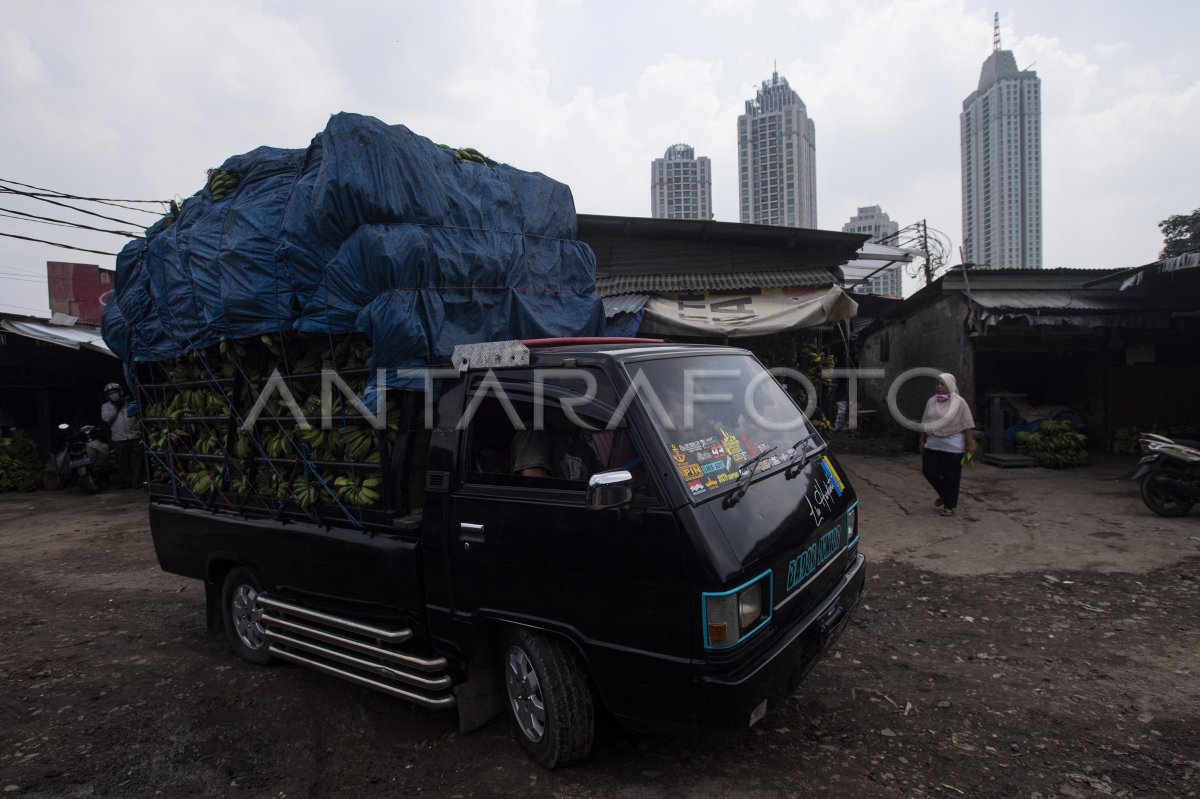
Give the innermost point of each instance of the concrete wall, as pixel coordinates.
(932, 337)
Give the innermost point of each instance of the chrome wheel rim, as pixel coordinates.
(246, 617)
(525, 695)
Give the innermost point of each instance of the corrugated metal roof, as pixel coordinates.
(1085, 300)
(624, 303)
(712, 281)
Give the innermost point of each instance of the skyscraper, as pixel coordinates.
(872, 220)
(777, 158)
(681, 185)
(1001, 134)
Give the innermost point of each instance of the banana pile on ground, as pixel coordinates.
(19, 467)
(1054, 445)
(194, 422)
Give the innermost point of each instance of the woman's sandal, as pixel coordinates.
(937, 503)
(947, 512)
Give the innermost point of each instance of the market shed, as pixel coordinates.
(1060, 340)
(52, 372)
(717, 280)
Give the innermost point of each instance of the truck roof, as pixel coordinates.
(618, 348)
(501, 354)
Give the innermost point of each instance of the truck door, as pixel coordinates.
(526, 549)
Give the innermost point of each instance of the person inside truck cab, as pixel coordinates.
(561, 450)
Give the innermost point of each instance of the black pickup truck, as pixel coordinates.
(648, 530)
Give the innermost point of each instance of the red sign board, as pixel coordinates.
(79, 290)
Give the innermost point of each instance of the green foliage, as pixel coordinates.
(1181, 233)
(1054, 445)
(20, 469)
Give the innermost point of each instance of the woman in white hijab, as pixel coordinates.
(947, 434)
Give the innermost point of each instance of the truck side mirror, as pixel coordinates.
(609, 489)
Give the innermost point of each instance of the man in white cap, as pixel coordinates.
(121, 417)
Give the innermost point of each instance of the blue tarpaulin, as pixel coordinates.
(373, 229)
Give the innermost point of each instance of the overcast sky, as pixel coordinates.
(136, 99)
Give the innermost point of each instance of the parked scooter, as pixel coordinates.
(84, 460)
(1170, 474)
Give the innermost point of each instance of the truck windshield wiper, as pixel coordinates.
(798, 464)
(745, 477)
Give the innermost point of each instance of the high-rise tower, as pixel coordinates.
(872, 220)
(1001, 136)
(681, 185)
(777, 158)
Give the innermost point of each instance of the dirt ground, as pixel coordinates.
(1043, 643)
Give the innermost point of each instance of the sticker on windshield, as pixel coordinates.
(690, 471)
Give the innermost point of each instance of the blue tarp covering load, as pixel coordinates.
(372, 229)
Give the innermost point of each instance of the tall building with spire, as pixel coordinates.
(681, 185)
(1001, 137)
(777, 158)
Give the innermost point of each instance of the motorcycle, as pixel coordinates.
(1170, 474)
(84, 458)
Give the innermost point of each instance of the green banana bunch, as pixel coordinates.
(361, 444)
(358, 490)
(19, 466)
(221, 184)
(202, 481)
(468, 154)
(229, 347)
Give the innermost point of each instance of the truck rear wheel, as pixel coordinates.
(548, 699)
(241, 617)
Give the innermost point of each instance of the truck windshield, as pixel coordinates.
(714, 413)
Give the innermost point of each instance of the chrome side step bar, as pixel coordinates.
(357, 652)
(390, 636)
(428, 701)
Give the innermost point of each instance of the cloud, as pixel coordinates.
(136, 99)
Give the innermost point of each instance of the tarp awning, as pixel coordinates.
(753, 313)
(73, 337)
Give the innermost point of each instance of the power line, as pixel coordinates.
(23, 278)
(51, 221)
(57, 244)
(22, 307)
(6, 190)
(105, 200)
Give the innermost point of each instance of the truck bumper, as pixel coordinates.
(735, 700)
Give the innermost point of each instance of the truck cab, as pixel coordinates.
(649, 530)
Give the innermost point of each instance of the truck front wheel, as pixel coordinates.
(241, 617)
(548, 698)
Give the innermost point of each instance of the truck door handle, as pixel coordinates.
(470, 533)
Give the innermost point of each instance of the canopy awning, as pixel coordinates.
(752, 313)
(73, 336)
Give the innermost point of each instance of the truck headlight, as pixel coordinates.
(732, 616)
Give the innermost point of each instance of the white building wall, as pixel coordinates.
(681, 185)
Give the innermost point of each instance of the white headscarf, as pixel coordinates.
(949, 417)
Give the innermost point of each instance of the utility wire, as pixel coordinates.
(51, 221)
(22, 307)
(57, 244)
(105, 200)
(5, 190)
(22, 278)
